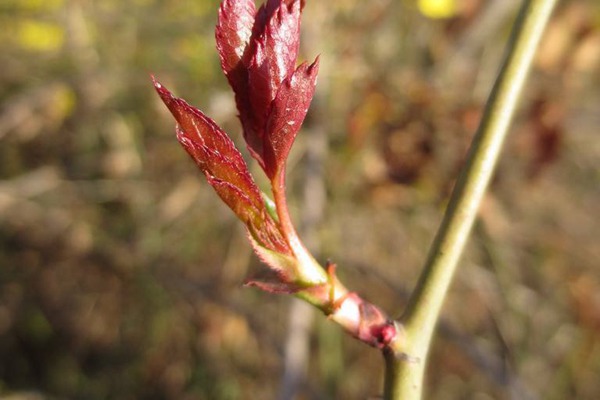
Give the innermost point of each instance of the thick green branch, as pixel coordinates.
(406, 366)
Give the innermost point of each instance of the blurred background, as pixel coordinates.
(121, 271)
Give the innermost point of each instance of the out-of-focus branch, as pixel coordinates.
(405, 366)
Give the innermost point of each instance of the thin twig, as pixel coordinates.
(406, 365)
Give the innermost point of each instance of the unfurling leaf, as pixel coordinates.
(258, 51)
(287, 114)
(225, 169)
(233, 32)
(273, 57)
(233, 35)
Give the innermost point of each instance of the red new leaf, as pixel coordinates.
(225, 169)
(273, 59)
(279, 39)
(287, 114)
(258, 50)
(233, 33)
(264, 13)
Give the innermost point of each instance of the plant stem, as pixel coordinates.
(311, 270)
(405, 365)
(363, 320)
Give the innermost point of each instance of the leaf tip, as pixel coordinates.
(155, 82)
(315, 65)
(162, 91)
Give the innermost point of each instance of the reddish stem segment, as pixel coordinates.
(285, 220)
(360, 318)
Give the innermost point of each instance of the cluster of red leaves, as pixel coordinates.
(258, 51)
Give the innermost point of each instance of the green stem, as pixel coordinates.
(405, 366)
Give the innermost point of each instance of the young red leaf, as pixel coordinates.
(212, 149)
(258, 51)
(233, 33)
(282, 39)
(264, 13)
(265, 42)
(225, 169)
(274, 57)
(287, 114)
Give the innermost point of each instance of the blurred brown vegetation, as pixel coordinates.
(120, 270)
